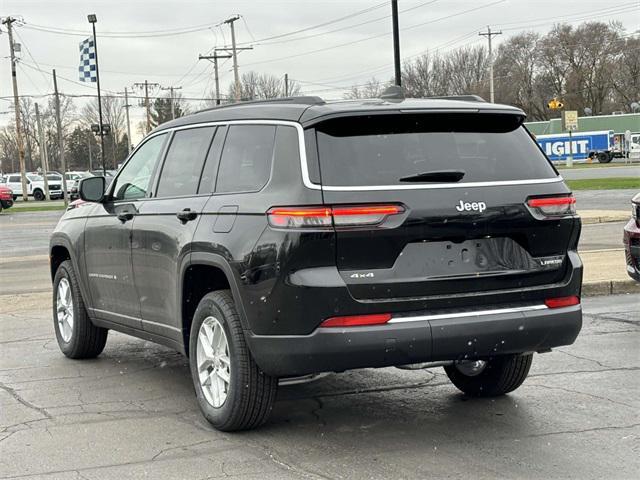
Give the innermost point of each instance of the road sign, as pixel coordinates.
(570, 120)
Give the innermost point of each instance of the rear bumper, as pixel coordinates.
(419, 338)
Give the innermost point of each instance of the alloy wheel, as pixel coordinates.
(213, 361)
(64, 310)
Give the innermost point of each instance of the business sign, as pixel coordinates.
(569, 120)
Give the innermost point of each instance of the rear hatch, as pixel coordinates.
(462, 182)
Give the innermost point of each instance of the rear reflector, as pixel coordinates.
(341, 216)
(562, 302)
(550, 207)
(356, 320)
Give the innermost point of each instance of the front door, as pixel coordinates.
(164, 227)
(108, 239)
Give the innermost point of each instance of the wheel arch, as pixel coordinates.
(201, 274)
(60, 249)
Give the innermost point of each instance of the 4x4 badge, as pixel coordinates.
(362, 275)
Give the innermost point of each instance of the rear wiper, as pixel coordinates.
(435, 176)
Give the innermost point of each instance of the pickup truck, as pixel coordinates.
(35, 186)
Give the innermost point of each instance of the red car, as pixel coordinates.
(6, 197)
(632, 240)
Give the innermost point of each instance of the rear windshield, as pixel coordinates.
(382, 149)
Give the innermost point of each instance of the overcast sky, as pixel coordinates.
(139, 53)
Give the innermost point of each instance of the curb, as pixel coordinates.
(623, 217)
(610, 287)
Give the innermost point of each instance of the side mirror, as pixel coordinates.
(91, 189)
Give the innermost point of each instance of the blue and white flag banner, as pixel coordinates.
(87, 69)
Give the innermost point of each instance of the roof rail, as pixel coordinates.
(304, 100)
(465, 98)
(393, 92)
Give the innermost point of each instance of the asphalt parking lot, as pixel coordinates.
(132, 413)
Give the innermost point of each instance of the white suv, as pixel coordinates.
(35, 186)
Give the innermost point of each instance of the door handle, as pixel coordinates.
(186, 215)
(125, 216)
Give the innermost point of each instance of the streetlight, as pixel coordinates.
(93, 20)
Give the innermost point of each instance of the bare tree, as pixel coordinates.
(373, 88)
(262, 86)
(468, 70)
(517, 73)
(626, 81)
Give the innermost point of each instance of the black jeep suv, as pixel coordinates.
(284, 238)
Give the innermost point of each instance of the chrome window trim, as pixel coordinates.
(304, 167)
(475, 313)
(496, 183)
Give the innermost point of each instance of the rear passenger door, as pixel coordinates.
(244, 169)
(164, 226)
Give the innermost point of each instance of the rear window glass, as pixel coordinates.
(246, 158)
(381, 150)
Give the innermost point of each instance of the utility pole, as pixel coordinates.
(8, 21)
(90, 155)
(43, 154)
(215, 58)
(147, 105)
(171, 99)
(396, 42)
(234, 53)
(61, 140)
(489, 34)
(126, 106)
(286, 84)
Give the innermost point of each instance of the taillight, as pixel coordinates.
(356, 320)
(562, 302)
(552, 207)
(339, 215)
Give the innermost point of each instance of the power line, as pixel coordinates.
(319, 25)
(183, 30)
(347, 27)
(602, 11)
(411, 27)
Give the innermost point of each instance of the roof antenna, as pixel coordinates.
(393, 92)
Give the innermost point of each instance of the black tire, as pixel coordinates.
(251, 393)
(38, 195)
(603, 157)
(15, 197)
(87, 340)
(502, 374)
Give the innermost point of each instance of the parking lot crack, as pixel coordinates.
(293, 468)
(571, 372)
(24, 402)
(316, 411)
(585, 430)
(583, 358)
(179, 447)
(578, 392)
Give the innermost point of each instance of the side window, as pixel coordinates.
(245, 165)
(183, 163)
(207, 182)
(135, 176)
(14, 179)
